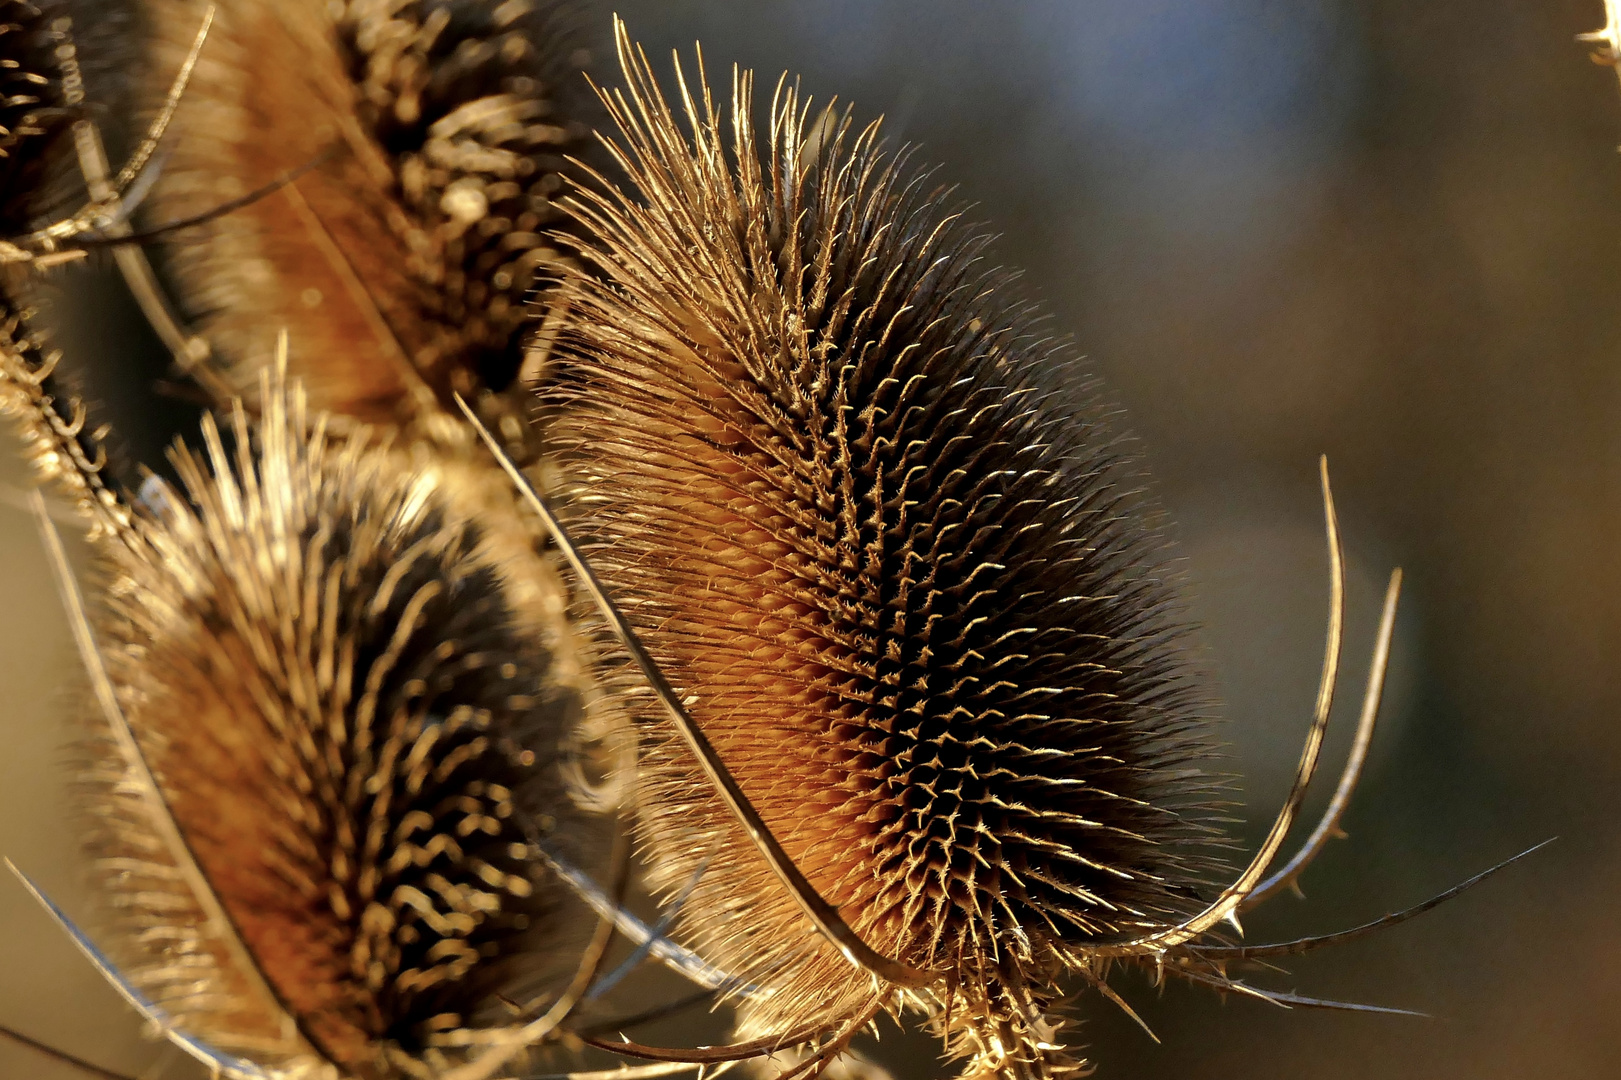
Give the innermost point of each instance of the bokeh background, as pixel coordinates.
(1388, 231)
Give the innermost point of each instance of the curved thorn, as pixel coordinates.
(1119, 1002)
(160, 125)
(823, 915)
(1328, 827)
(1285, 1000)
(217, 1062)
(1232, 896)
(817, 1063)
(1306, 944)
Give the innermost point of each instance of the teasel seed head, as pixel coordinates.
(348, 675)
(873, 525)
(435, 135)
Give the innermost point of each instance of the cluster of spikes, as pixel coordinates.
(698, 486)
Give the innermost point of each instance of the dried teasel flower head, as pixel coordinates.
(336, 761)
(414, 150)
(884, 543)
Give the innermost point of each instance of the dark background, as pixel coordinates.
(1384, 231)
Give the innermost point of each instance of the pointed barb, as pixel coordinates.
(1307, 944)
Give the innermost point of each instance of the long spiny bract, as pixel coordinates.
(357, 695)
(872, 527)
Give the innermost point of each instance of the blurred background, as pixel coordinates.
(1388, 231)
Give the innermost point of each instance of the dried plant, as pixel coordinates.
(348, 666)
(337, 765)
(896, 561)
(852, 543)
(439, 132)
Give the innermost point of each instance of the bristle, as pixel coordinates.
(872, 525)
(32, 111)
(440, 129)
(64, 450)
(356, 692)
(51, 421)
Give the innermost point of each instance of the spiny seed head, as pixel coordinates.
(479, 106)
(873, 526)
(354, 687)
(438, 132)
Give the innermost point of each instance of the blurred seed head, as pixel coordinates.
(439, 132)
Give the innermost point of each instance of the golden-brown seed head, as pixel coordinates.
(439, 131)
(870, 522)
(354, 687)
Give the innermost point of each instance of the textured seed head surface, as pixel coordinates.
(876, 529)
(360, 705)
(31, 107)
(438, 132)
